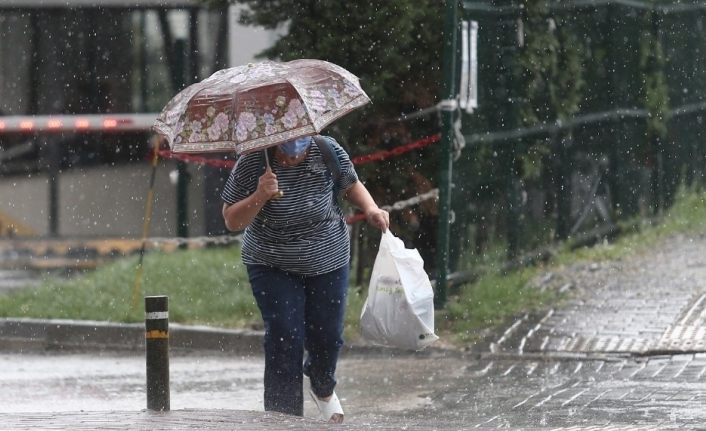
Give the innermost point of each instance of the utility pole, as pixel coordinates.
(182, 228)
(447, 108)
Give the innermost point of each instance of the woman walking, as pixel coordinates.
(297, 253)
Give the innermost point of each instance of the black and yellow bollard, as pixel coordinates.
(157, 352)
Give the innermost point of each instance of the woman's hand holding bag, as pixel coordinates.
(399, 309)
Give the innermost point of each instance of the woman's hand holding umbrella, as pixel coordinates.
(267, 186)
(239, 215)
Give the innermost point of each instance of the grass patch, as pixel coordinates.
(686, 216)
(491, 301)
(207, 287)
(204, 287)
(210, 286)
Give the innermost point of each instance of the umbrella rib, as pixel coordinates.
(329, 118)
(242, 89)
(306, 108)
(255, 85)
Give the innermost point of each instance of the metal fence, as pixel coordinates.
(603, 163)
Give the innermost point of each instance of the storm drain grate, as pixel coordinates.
(622, 334)
(689, 332)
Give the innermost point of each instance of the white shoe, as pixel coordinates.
(331, 410)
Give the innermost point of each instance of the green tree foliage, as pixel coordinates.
(550, 72)
(392, 46)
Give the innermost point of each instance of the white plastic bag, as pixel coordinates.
(399, 310)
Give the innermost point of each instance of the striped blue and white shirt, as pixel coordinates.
(304, 231)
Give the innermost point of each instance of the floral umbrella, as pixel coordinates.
(255, 106)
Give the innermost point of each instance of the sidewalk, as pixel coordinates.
(649, 304)
(93, 377)
(209, 390)
(626, 352)
(82, 335)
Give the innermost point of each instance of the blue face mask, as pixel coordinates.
(296, 147)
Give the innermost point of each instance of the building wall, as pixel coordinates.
(247, 42)
(103, 201)
(79, 70)
(15, 57)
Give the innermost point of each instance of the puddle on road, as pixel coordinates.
(43, 383)
(73, 382)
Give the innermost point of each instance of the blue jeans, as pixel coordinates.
(300, 312)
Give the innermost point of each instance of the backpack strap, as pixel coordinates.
(329, 154)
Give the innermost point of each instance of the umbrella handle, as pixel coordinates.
(279, 193)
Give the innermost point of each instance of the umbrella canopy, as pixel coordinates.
(259, 105)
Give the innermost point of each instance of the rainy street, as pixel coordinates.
(499, 205)
(626, 352)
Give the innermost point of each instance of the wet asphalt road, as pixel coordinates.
(78, 391)
(370, 388)
(625, 352)
(62, 382)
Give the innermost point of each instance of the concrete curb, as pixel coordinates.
(56, 334)
(24, 334)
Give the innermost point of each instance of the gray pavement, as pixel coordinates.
(11, 279)
(648, 304)
(625, 352)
